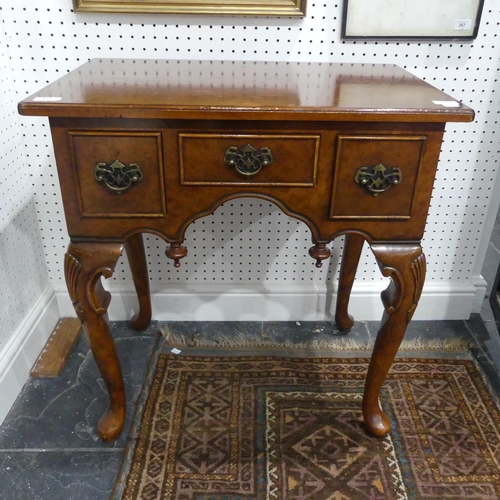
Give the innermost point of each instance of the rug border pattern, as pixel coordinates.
(151, 385)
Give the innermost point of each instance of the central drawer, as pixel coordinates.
(248, 159)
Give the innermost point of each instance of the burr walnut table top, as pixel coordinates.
(128, 88)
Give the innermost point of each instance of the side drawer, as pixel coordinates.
(375, 177)
(257, 160)
(118, 174)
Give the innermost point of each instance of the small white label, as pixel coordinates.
(175, 351)
(47, 99)
(462, 24)
(447, 104)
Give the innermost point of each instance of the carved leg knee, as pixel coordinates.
(405, 265)
(85, 263)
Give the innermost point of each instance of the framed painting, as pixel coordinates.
(285, 8)
(417, 19)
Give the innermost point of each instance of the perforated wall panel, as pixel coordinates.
(249, 241)
(23, 275)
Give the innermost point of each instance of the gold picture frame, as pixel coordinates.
(285, 8)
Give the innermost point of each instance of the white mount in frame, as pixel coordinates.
(403, 19)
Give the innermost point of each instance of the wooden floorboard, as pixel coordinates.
(57, 349)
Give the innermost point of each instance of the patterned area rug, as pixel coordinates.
(274, 428)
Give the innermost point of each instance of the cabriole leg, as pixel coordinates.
(405, 265)
(353, 246)
(84, 265)
(136, 255)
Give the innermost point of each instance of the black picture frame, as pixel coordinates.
(346, 35)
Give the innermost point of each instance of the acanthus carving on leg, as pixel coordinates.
(418, 269)
(72, 270)
(392, 301)
(405, 265)
(85, 264)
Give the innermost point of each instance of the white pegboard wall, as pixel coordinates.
(47, 41)
(14, 183)
(23, 276)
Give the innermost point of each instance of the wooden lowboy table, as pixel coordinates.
(149, 146)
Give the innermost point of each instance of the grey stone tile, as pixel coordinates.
(490, 266)
(193, 332)
(123, 329)
(303, 331)
(489, 368)
(477, 326)
(439, 329)
(58, 475)
(487, 339)
(495, 235)
(63, 412)
(429, 330)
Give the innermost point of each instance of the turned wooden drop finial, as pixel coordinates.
(176, 252)
(319, 252)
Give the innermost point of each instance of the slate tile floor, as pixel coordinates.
(48, 446)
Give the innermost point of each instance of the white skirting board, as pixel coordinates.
(24, 347)
(280, 302)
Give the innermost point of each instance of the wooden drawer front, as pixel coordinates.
(351, 199)
(294, 159)
(100, 196)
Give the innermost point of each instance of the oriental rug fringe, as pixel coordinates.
(276, 428)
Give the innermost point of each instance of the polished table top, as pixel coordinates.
(128, 88)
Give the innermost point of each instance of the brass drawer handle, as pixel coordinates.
(118, 177)
(378, 179)
(247, 160)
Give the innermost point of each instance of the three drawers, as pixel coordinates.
(122, 174)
